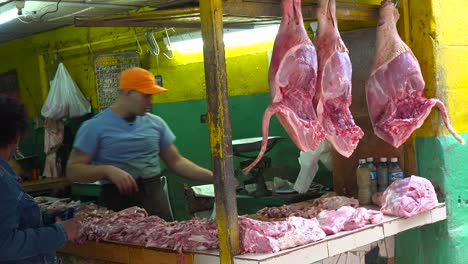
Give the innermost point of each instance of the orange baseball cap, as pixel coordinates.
(140, 80)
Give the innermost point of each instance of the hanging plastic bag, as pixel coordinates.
(65, 99)
(309, 165)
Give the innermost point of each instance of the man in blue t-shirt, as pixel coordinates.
(123, 145)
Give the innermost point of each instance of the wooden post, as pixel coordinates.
(211, 15)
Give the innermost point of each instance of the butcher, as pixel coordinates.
(122, 148)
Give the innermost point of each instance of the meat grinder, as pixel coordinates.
(242, 147)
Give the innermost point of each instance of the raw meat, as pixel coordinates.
(362, 217)
(332, 221)
(194, 234)
(300, 210)
(268, 237)
(309, 209)
(134, 226)
(409, 196)
(394, 90)
(292, 78)
(377, 198)
(333, 95)
(332, 202)
(53, 140)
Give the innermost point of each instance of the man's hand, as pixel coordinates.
(122, 180)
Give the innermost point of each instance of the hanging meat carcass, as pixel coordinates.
(292, 78)
(334, 83)
(394, 90)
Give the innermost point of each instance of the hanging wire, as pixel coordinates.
(140, 50)
(90, 49)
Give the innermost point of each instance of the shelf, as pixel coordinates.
(45, 184)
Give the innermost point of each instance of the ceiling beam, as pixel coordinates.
(89, 4)
(251, 12)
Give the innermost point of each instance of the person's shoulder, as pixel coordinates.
(97, 119)
(7, 180)
(154, 118)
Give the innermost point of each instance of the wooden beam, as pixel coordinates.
(344, 11)
(250, 11)
(219, 122)
(174, 3)
(158, 14)
(159, 24)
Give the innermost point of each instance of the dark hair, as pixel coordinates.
(13, 120)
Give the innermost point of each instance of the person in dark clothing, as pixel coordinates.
(23, 236)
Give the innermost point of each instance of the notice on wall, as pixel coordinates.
(107, 69)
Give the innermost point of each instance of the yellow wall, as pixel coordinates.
(441, 47)
(247, 67)
(453, 57)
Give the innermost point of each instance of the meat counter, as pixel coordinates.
(330, 246)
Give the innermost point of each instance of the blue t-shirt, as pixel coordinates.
(133, 147)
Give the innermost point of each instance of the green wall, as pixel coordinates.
(444, 161)
(246, 115)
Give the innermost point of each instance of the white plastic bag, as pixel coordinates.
(65, 99)
(309, 165)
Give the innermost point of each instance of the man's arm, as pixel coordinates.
(185, 167)
(80, 169)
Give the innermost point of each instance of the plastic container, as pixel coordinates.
(373, 174)
(394, 171)
(364, 183)
(382, 174)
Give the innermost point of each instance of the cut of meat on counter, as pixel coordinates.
(134, 226)
(311, 208)
(333, 97)
(292, 78)
(332, 221)
(395, 87)
(332, 201)
(377, 199)
(362, 217)
(408, 197)
(269, 237)
(347, 218)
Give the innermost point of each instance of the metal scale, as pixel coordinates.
(243, 146)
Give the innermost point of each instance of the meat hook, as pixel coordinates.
(168, 45)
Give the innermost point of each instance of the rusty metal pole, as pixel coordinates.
(219, 121)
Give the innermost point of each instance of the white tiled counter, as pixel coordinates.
(335, 244)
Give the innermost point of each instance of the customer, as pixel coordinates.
(23, 237)
(123, 145)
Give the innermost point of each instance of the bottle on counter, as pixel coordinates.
(373, 174)
(382, 174)
(364, 183)
(394, 171)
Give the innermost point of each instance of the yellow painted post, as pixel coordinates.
(211, 15)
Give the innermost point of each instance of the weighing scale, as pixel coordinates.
(241, 147)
